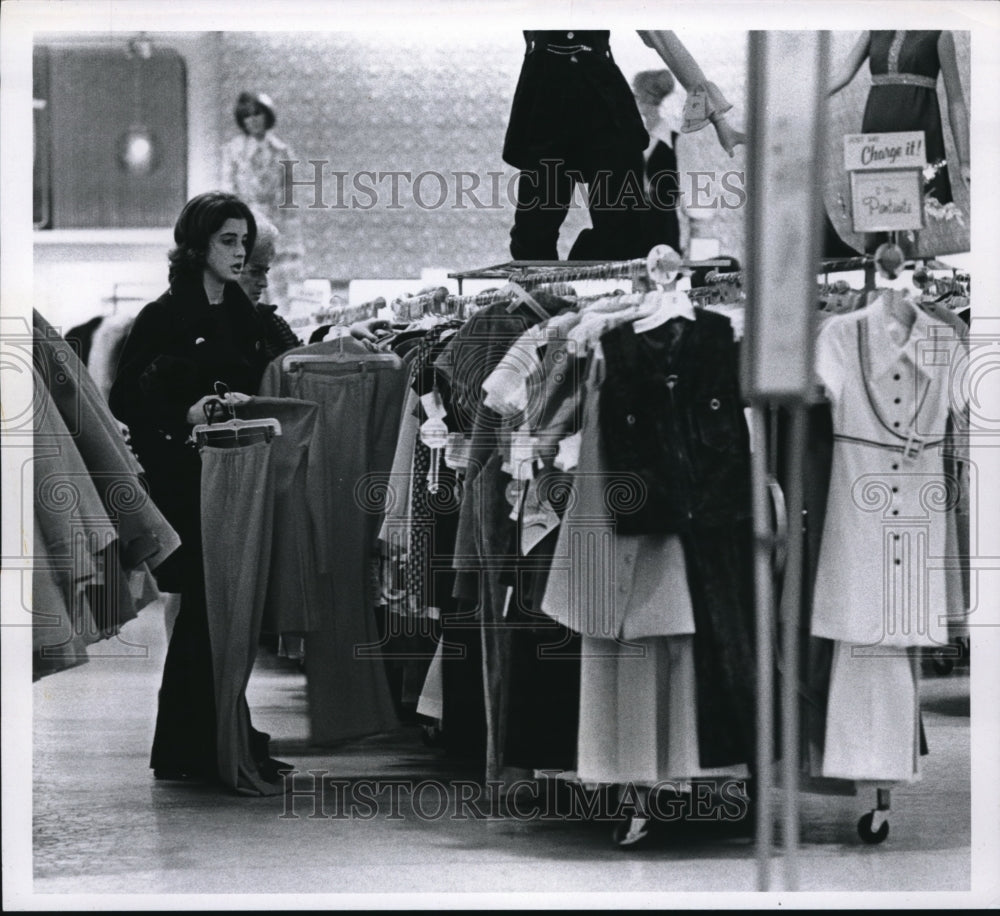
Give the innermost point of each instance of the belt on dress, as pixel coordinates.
(904, 79)
(911, 448)
(567, 50)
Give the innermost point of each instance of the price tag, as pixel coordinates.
(433, 405)
(434, 433)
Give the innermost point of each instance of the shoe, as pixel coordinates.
(632, 833)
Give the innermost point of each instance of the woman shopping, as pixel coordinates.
(203, 330)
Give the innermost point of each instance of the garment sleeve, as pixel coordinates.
(830, 358)
(705, 100)
(151, 387)
(506, 388)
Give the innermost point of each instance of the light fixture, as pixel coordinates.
(137, 151)
(138, 148)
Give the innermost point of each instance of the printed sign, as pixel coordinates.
(887, 200)
(903, 150)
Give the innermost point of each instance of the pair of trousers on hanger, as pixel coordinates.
(360, 397)
(250, 491)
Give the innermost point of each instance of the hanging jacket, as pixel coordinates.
(672, 418)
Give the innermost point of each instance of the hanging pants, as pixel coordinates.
(237, 496)
(351, 456)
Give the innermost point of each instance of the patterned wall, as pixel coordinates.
(386, 101)
(383, 102)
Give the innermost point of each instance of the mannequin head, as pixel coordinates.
(651, 87)
(254, 113)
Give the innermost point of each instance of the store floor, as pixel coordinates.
(102, 824)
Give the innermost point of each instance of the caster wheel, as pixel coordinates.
(867, 834)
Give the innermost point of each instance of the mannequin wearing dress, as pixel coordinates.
(905, 66)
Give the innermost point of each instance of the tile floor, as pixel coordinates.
(102, 825)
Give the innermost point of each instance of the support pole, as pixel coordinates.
(787, 88)
(764, 598)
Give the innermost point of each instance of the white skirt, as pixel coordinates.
(638, 713)
(873, 715)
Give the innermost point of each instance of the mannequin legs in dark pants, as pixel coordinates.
(619, 212)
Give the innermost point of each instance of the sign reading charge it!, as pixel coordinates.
(904, 150)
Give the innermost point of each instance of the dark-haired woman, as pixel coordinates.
(202, 330)
(253, 169)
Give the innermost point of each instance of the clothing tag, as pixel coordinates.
(522, 454)
(569, 452)
(433, 405)
(515, 493)
(434, 433)
(458, 451)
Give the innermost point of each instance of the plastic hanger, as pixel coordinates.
(664, 267)
(520, 295)
(203, 432)
(669, 304)
(889, 262)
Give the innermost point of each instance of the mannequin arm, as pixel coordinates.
(958, 112)
(676, 57)
(690, 75)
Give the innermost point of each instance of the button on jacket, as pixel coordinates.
(672, 419)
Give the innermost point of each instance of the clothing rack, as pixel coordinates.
(345, 315)
(441, 302)
(531, 273)
(843, 265)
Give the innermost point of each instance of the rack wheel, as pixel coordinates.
(872, 837)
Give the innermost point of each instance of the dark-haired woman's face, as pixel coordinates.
(226, 251)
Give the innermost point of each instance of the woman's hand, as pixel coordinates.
(729, 137)
(365, 330)
(196, 412)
